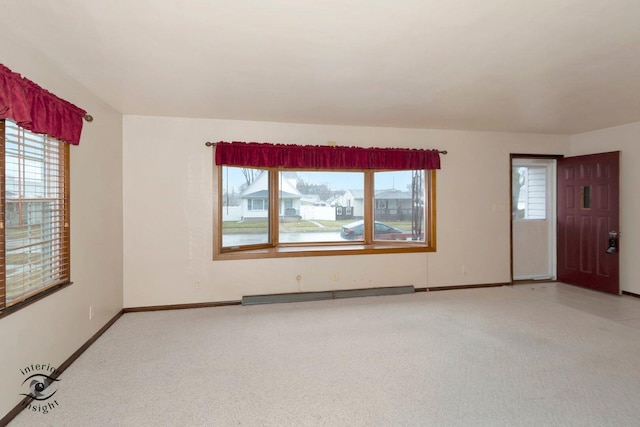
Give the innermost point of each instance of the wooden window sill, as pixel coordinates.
(322, 250)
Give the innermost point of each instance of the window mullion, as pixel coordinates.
(369, 196)
(274, 207)
(430, 212)
(218, 206)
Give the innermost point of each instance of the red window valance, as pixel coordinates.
(262, 155)
(38, 110)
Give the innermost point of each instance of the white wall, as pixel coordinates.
(52, 329)
(168, 199)
(624, 139)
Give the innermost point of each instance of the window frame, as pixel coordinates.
(275, 249)
(63, 279)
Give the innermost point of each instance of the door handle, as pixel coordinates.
(613, 242)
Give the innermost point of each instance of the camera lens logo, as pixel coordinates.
(41, 387)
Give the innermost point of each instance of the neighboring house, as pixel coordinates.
(255, 199)
(335, 200)
(353, 200)
(393, 205)
(389, 204)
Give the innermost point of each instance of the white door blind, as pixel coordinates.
(35, 207)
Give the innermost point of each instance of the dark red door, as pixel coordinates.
(587, 219)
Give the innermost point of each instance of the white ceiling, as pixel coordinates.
(547, 66)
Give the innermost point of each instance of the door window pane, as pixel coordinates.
(529, 192)
(586, 197)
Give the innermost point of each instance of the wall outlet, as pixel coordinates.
(465, 270)
(90, 312)
(336, 276)
(198, 284)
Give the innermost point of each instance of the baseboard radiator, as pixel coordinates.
(325, 295)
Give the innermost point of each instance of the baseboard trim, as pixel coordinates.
(325, 295)
(27, 400)
(533, 281)
(180, 306)
(631, 294)
(457, 287)
(313, 296)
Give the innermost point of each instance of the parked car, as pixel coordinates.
(355, 231)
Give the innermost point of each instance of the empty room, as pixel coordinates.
(286, 213)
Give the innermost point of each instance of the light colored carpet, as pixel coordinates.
(509, 356)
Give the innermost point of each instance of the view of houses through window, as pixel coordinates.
(321, 206)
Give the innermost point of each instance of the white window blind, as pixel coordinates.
(35, 223)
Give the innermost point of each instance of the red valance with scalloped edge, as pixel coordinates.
(264, 155)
